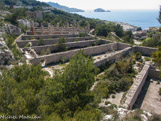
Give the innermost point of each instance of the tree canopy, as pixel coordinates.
(27, 90)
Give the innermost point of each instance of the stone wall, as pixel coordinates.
(121, 46)
(54, 58)
(113, 56)
(70, 45)
(154, 73)
(146, 51)
(26, 37)
(23, 43)
(136, 87)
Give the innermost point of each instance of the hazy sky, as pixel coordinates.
(109, 4)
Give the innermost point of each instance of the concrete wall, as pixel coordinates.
(25, 37)
(146, 51)
(70, 45)
(54, 58)
(23, 43)
(136, 87)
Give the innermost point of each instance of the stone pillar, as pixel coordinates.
(67, 25)
(32, 29)
(51, 29)
(57, 26)
(73, 30)
(78, 27)
(88, 27)
(42, 29)
(61, 30)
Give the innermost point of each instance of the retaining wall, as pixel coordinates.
(113, 56)
(146, 51)
(23, 43)
(136, 87)
(25, 37)
(70, 45)
(121, 46)
(56, 57)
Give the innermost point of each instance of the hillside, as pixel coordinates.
(50, 15)
(64, 8)
(25, 3)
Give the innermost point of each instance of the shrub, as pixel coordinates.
(107, 102)
(48, 51)
(147, 59)
(75, 40)
(138, 56)
(113, 96)
(160, 91)
(43, 52)
(41, 41)
(158, 82)
(82, 34)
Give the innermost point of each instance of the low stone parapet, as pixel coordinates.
(134, 91)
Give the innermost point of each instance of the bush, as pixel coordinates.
(158, 82)
(160, 91)
(138, 56)
(113, 96)
(60, 45)
(147, 59)
(41, 41)
(82, 34)
(107, 102)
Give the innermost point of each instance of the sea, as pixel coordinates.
(139, 18)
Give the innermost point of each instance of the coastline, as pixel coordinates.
(131, 19)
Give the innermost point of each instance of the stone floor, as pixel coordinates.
(149, 98)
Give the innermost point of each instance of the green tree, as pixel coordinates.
(69, 90)
(157, 57)
(19, 90)
(17, 14)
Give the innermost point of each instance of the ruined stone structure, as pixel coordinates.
(58, 29)
(108, 52)
(136, 87)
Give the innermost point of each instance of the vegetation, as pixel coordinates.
(157, 57)
(60, 45)
(118, 77)
(106, 28)
(154, 41)
(26, 90)
(16, 14)
(25, 2)
(10, 41)
(41, 41)
(160, 91)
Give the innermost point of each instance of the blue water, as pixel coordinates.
(140, 18)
